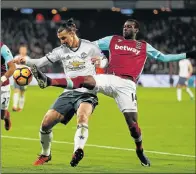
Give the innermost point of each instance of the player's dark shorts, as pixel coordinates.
(171, 81)
(68, 103)
(22, 88)
(182, 81)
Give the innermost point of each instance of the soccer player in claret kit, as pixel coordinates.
(126, 62)
(7, 69)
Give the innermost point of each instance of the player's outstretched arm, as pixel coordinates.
(155, 54)
(29, 62)
(7, 55)
(48, 58)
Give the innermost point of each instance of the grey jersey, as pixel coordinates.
(76, 62)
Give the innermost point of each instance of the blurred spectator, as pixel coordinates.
(169, 35)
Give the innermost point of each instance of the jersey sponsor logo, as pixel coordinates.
(127, 48)
(76, 63)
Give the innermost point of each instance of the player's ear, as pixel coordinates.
(71, 33)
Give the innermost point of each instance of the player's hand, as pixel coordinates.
(96, 61)
(19, 60)
(3, 80)
(189, 76)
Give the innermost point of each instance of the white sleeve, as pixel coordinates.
(48, 58)
(38, 62)
(54, 55)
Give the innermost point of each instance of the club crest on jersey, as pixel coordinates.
(138, 45)
(83, 55)
(127, 48)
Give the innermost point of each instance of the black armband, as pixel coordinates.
(191, 54)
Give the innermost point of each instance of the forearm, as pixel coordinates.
(11, 70)
(38, 62)
(9, 73)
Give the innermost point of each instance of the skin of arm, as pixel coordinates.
(7, 55)
(190, 70)
(11, 69)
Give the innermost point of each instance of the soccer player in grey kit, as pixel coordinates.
(75, 55)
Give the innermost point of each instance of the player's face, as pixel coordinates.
(23, 51)
(129, 30)
(66, 38)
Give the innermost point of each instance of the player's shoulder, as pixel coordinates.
(4, 47)
(184, 61)
(2, 44)
(84, 41)
(6, 51)
(142, 41)
(59, 48)
(89, 43)
(188, 61)
(116, 37)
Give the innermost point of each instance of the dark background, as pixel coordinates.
(170, 31)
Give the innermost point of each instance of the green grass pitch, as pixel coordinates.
(168, 129)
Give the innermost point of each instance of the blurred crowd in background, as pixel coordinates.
(170, 34)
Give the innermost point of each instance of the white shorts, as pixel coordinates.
(5, 97)
(122, 90)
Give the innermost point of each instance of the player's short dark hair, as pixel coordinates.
(68, 25)
(23, 45)
(137, 24)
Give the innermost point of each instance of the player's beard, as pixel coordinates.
(129, 36)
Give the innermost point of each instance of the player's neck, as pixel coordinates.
(76, 42)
